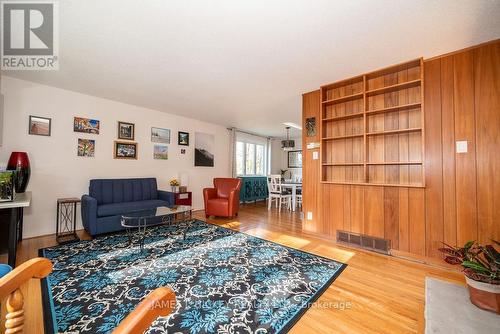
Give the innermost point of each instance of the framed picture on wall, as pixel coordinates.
(86, 125)
(125, 150)
(294, 159)
(126, 130)
(204, 147)
(183, 138)
(160, 152)
(159, 135)
(86, 147)
(39, 126)
(311, 126)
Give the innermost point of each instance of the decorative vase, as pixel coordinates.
(484, 295)
(174, 189)
(20, 163)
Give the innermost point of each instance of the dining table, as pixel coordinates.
(293, 185)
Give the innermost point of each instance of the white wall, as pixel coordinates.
(57, 171)
(279, 158)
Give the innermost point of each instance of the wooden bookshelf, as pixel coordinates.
(372, 129)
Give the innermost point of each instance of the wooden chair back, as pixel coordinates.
(10, 286)
(158, 303)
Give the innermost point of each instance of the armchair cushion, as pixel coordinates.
(219, 206)
(224, 186)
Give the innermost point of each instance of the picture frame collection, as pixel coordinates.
(125, 147)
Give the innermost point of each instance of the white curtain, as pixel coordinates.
(232, 151)
(269, 152)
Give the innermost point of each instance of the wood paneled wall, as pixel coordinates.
(310, 167)
(461, 199)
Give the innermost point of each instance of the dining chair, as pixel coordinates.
(277, 193)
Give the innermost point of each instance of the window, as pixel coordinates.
(259, 160)
(250, 159)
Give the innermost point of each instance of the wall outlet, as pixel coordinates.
(461, 146)
(309, 215)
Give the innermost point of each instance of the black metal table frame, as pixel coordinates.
(65, 210)
(168, 219)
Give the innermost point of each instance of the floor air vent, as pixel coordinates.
(363, 241)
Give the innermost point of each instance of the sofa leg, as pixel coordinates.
(236, 214)
(207, 216)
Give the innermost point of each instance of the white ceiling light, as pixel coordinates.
(293, 125)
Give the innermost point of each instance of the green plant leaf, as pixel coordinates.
(475, 266)
(469, 244)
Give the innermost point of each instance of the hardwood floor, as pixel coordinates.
(374, 294)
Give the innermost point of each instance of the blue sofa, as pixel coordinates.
(109, 199)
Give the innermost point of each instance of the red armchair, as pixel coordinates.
(224, 199)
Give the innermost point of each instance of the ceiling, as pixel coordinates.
(246, 63)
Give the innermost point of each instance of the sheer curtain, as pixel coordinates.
(232, 151)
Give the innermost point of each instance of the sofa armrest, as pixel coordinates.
(167, 196)
(89, 214)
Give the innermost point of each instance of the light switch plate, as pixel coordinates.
(461, 146)
(309, 215)
(315, 155)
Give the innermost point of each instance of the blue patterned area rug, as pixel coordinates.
(224, 281)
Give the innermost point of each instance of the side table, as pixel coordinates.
(185, 198)
(66, 220)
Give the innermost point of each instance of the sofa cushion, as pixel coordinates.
(114, 209)
(108, 191)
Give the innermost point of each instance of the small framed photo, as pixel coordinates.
(183, 151)
(86, 147)
(39, 126)
(126, 130)
(311, 126)
(183, 138)
(159, 135)
(86, 125)
(160, 152)
(294, 159)
(125, 150)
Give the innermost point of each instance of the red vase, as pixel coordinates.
(20, 163)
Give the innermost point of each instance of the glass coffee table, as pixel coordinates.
(136, 222)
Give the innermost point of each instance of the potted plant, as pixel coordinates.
(283, 173)
(481, 267)
(174, 183)
(6, 186)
